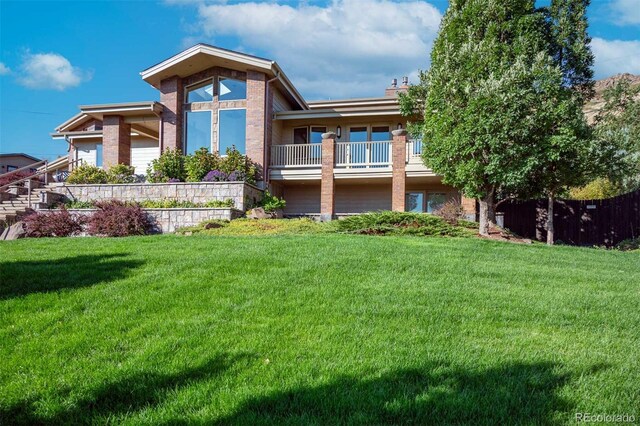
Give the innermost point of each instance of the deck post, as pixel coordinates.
(398, 164)
(327, 184)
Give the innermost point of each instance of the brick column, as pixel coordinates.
(116, 141)
(172, 97)
(468, 207)
(327, 184)
(256, 93)
(399, 161)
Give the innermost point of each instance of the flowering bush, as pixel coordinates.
(216, 176)
(118, 219)
(169, 167)
(244, 169)
(87, 174)
(58, 223)
(200, 163)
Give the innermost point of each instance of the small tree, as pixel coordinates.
(617, 135)
(484, 100)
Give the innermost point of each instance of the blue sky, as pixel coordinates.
(56, 55)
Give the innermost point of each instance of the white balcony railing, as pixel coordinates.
(371, 154)
(363, 155)
(414, 151)
(296, 155)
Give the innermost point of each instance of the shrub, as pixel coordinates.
(401, 223)
(169, 203)
(118, 219)
(631, 244)
(271, 203)
(121, 173)
(75, 204)
(451, 212)
(200, 163)
(238, 167)
(218, 203)
(169, 167)
(87, 174)
(597, 189)
(216, 176)
(57, 223)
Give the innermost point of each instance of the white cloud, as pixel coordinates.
(626, 12)
(50, 71)
(346, 48)
(4, 70)
(615, 56)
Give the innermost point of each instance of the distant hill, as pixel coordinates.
(592, 108)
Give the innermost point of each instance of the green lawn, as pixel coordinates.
(323, 329)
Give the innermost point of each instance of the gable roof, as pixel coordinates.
(202, 56)
(20, 154)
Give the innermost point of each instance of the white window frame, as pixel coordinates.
(218, 130)
(197, 85)
(184, 128)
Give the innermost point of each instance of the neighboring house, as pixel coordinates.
(217, 98)
(15, 161)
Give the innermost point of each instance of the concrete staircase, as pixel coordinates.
(14, 203)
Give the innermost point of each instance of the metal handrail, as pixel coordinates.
(30, 166)
(44, 172)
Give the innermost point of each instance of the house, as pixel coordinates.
(326, 158)
(15, 161)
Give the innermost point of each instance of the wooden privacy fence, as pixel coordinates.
(577, 222)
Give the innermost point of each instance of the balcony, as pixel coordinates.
(352, 159)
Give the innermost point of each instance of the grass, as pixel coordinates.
(322, 329)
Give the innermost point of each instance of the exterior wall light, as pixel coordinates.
(338, 132)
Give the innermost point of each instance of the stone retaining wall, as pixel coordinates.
(168, 220)
(243, 194)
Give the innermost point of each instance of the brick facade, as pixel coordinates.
(468, 207)
(172, 97)
(256, 94)
(327, 184)
(116, 141)
(398, 163)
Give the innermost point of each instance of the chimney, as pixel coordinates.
(393, 89)
(405, 85)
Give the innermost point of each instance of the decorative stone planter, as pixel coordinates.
(244, 195)
(168, 220)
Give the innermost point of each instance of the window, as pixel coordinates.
(11, 168)
(414, 202)
(200, 93)
(232, 125)
(435, 201)
(98, 155)
(197, 131)
(300, 135)
(316, 134)
(357, 134)
(230, 90)
(379, 152)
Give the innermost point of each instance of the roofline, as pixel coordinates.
(331, 113)
(73, 120)
(229, 54)
(20, 154)
(355, 102)
(88, 133)
(256, 61)
(152, 106)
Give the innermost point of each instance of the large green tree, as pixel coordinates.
(565, 154)
(488, 99)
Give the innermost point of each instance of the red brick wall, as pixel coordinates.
(116, 141)
(256, 93)
(172, 97)
(399, 157)
(327, 184)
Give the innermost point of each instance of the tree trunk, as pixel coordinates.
(550, 230)
(487, 213)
